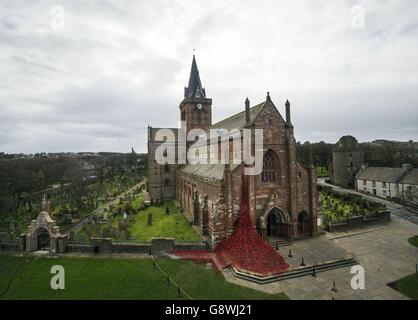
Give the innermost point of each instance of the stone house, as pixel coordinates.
(387, 182)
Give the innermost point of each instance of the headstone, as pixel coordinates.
(106, 232)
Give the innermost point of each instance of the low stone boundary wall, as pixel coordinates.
(359, 222)
(8, 246)
(155, 246)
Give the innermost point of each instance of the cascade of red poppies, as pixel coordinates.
(245, 250)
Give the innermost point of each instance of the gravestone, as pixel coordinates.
(106, 232)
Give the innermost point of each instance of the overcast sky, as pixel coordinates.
(91, 75)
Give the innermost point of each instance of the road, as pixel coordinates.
(79, 225)
(395, 208)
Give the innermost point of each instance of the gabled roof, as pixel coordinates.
(411, 177)
(237, 121)
(211, 171)
(380, 174)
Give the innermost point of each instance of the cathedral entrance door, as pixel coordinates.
(277, 225)
(304, 224)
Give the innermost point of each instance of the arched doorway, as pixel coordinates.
(43, 239)
(304, 224)
(277, 225)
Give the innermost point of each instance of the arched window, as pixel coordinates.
(167, 182)
(166, 168)
(269, 168)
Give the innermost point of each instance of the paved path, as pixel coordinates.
(382, 250)
(394, 208)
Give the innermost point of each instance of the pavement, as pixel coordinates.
(383, 251)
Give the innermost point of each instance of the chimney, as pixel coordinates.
(406, 167)
(247, 111)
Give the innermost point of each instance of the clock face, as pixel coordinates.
(199, 106)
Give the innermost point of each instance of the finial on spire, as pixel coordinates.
(268, 95)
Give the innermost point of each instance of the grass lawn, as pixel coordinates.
(321, 172)
(107, 278)
(173, 225)
(331, 213)
(413, 241)
(408, 286)
(138, 201)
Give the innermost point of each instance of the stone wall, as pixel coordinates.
(9, 246)
(359, 222)
(156, 246)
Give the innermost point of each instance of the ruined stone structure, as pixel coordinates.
(283, 198)
(44, 234)
(347, 159)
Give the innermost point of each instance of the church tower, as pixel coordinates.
(195, 109)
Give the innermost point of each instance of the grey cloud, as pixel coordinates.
(121, 65)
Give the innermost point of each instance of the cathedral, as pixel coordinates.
(282, 198)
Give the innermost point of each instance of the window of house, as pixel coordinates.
(384, 184)
(374, 183)
(166, 168)
(269, 168)
(364, 182)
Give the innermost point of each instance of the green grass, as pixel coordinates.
(413, 241)
(408, 286)
(321, 172)
(331, 213)
(173, 225)
(107, 278)
(138, 201)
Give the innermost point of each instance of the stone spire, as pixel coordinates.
(194, 89)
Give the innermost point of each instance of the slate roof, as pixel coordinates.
(211, 171)
(381, 174)
(237, 121)
(411, 177)
(194, 89)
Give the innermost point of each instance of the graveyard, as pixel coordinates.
(338, 209)
(118, 278)
(132, 220)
